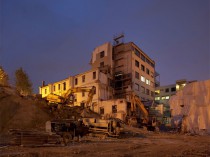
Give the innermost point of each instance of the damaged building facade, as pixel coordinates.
(116, 71)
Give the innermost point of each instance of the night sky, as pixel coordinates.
(53, 39)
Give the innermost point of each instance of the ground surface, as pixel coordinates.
(153, 144)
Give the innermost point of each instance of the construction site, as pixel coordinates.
(107, 110)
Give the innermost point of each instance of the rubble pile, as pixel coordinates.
(191, 107)
(31, 113)
(18, 112)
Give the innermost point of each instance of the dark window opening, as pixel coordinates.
(136, 63)
(114, 108)
(94, 75)
(142, 68)
(76, 81)
(101, 110)
(101, 54)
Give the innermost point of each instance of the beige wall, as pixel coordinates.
(121, 108)
(148, 79)
(107, 59)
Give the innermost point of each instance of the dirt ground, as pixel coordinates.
(151, 145)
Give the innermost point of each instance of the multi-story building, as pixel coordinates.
(116, 71)
(163, 93)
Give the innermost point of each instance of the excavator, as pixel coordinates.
(68, 97)
(147, 120)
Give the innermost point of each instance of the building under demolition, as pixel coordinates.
(117, 71)
(190, 107)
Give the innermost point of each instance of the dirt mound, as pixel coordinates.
(30, 113)
(17, 112)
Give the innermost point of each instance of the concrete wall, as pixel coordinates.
(121, 108)
(107, 59)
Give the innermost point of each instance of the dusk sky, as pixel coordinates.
(54, 39)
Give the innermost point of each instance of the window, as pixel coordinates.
(142, 67)
(173, 89)
(142, 78)
(136, 86)
(94, 75)
(167, 97)
(157, 98)
(101, 110)
(137, 52)
(147, 71)
(114, 108)
(82, 104)
(45, 91)
(136, 63)
(83, 78)
(147, 91)
(142, 89)
(152, 93)
(64, 86)
(83, 94)
(76, 81)
(157, 92)
(54, 88)
(163, 98)
(102, 64)
(167, 90)
(147, 81)
(59, 86)
(142, 57)
(101, 54)
(136, 75)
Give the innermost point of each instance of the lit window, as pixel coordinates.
(163, 98)
(157, 92)
(148, 82)
(167, 97)
(142, 78)
(157, 98)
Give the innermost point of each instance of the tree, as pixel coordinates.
(4, 78)
(22, 82)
